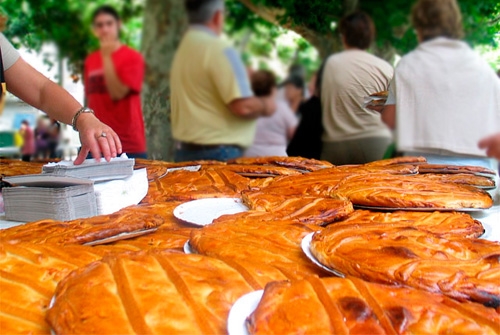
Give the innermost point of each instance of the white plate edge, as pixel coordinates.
(305, 245)
(188, 250)
(191, 203)
(241, 310)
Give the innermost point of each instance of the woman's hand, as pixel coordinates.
(96, 138)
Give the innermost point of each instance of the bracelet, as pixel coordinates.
(77, 115)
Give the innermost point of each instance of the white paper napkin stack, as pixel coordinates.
(64, 191)
(114, 195)
(38, 197)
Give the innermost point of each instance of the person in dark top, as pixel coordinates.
(306, 141)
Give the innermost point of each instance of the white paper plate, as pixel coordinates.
(51, 304)
(490, 219)
(203, 211)
(241, 310)
(188, 249)
(305, 245)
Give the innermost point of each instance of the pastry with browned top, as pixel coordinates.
(306, 209)
(299, 163)
(154, 292)
(11, 167)
(249, 170)
(187, 185)
(128, 220)
(29, 274)
(445, 224)
(440, 168)
(463, 269)
(406, 192)
(255, 237)
(352, 306)
(462, 178)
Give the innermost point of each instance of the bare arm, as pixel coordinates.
(492, 145)
(389, 116)
(117, 90)
(37, 90)
(253, 107)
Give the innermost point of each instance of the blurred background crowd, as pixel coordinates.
(308, 65)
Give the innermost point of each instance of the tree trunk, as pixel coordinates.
(164, 24)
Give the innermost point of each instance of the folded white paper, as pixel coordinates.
(117, 168)
(114, 195)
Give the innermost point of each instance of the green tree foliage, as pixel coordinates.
(317, 20)
(255, 24)
(66, 23)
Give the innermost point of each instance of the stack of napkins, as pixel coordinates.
(65, 191)
(42, 196)
(114, 195)
(117, 168)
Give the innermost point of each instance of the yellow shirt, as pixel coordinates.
(206, 76)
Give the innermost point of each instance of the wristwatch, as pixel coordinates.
(77, 115)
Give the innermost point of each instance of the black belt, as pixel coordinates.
(200, 147)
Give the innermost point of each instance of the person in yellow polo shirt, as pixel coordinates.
(214, 111)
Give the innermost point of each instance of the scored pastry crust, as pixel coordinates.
(352, 306)
(438, 168)
(257, 238)
(462, 178)
(306, 209)
(397, 169)
(445, 224)
(154, 292)
(464, 269)
(187, 185)
(81, 231)
(10, 167)
(390, 191)
(299, 163)
(249, 170)
(158, 169)
(323, 182)
(398, 160)
(29, 274)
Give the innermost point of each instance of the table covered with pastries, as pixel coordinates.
(396, 246)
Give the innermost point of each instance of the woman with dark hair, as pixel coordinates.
(352, 133)
(444, 97)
